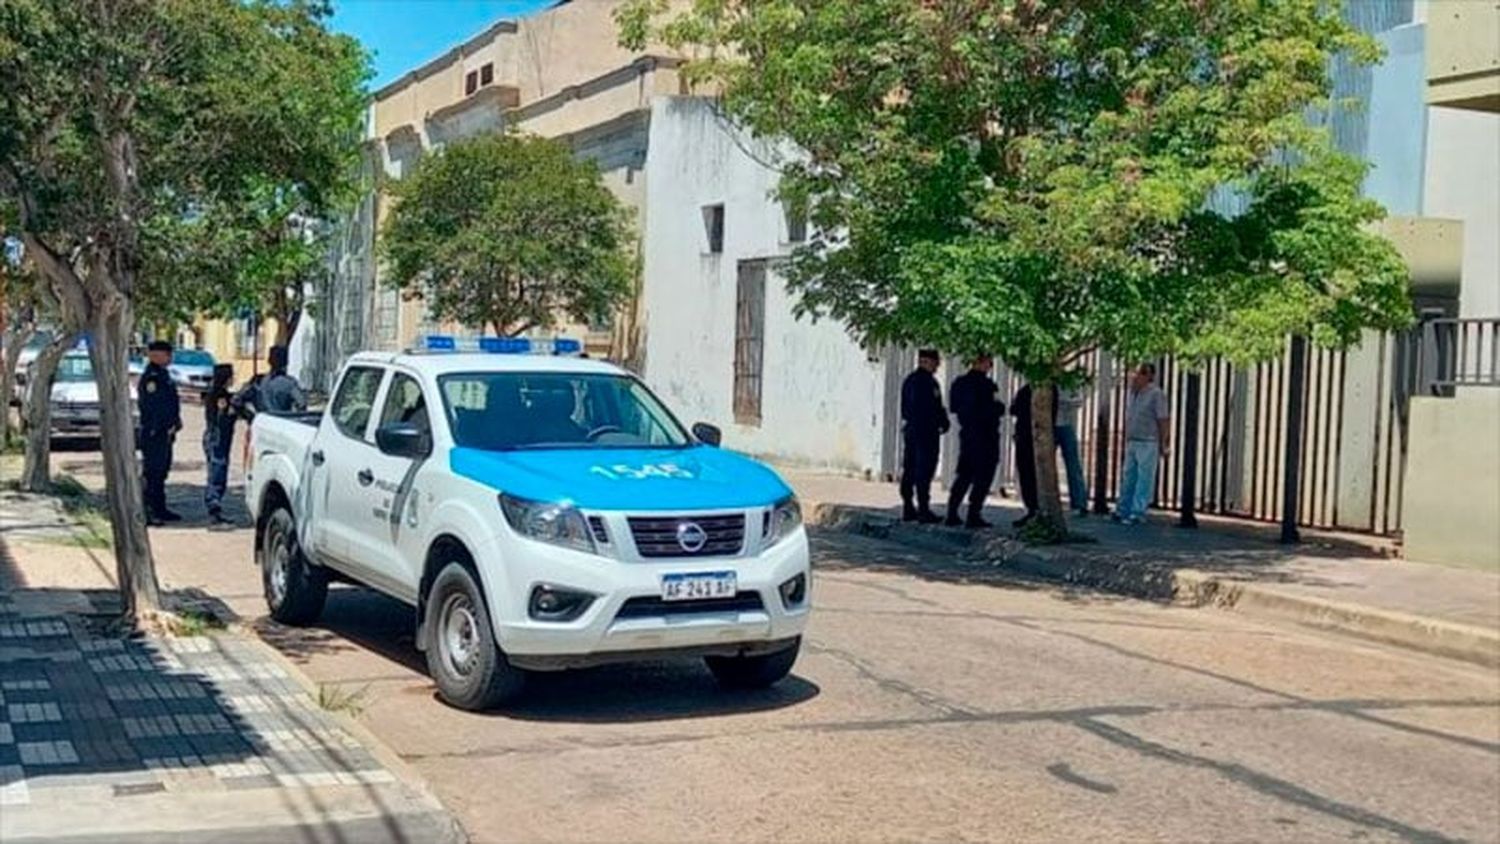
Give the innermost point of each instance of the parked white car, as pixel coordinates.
(540, 512)
(75, 398)
(192, 370)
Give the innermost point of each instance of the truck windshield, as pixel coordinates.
(74, 368)
(502, 411)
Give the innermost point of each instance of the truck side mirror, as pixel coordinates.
(403, 439)
(708, 434)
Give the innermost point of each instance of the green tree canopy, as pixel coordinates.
(1038, 179)
(1041, 178)
(508, 232)
(129, 130)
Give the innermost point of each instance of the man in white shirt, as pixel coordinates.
(1148, 427)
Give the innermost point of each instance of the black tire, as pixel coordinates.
(469, 668)
(754, 672)
(295, 589)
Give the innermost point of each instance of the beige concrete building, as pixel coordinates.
(559, 74)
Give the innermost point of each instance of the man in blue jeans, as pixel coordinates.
(1148, 426)
(1065, 432)
(218, 434)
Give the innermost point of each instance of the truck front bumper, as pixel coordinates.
(758, 620)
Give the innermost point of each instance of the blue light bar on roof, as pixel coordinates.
(505, 345)
(567, 346)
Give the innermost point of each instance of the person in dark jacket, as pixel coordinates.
(218, 434)
(161, 418)
(975, 400)
(276, 391)
(923, 423)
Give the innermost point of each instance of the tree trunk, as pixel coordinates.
(36, 475)
(1051, 520)
(17, 335)
(109, 330)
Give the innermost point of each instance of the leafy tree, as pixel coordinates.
(124, 119)
(508, 232)
(1040, 179)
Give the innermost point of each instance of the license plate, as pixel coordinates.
(698, 586)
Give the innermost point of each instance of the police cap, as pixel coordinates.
(159, 346)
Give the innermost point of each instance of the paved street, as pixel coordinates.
(946, 704)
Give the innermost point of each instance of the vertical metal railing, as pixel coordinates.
(1465, 352)
(1244, 420)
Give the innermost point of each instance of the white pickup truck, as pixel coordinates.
(539, 512)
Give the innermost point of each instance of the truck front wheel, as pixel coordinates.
(295, 589)
(753, 672)
(468, 666)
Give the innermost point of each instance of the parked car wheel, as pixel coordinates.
(463, 658)
(295, 589)
(754, 672)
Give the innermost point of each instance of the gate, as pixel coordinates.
(1352, 433)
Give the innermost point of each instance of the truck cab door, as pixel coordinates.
(395, 496)
(339, 450)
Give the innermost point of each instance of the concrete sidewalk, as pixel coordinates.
(1344, 583)
(105, 737)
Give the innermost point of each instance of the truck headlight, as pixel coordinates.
(783, 520)
(545, 521)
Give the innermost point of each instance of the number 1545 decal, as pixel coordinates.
(622, 472)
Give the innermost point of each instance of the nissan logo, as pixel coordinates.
(691, 537)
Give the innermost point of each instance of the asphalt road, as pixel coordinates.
(933, 702)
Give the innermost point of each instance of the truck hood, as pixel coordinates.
(635, 479)
(75, 392)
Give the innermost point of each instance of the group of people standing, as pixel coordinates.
(976, 402)
(160, 409)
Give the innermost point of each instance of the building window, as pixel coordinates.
(471, 82)
(487, 73)
(713, 227)
(749, 340)
(796, 222)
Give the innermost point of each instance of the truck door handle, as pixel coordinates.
(317, 457)
(366, 477)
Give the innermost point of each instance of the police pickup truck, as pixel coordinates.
(539, 510)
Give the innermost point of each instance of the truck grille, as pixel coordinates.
(657, 536)
(652, 607)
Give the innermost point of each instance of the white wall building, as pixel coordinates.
(722, 345)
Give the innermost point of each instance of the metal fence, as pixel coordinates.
(1351, 430)
(1348, 411)
(1460, 353)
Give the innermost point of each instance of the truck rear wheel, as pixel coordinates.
(463, 658)
(295, 589)
(753, 672)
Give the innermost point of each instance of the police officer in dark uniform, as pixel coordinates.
(161, 419)
(975, 400)
(923, 423)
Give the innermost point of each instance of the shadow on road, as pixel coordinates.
(359, 619)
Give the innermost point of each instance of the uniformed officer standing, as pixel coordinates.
(975, 400)
(161, 419)
(923, 423)
(218, 435)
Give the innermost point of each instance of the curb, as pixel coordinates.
(1185, 587)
